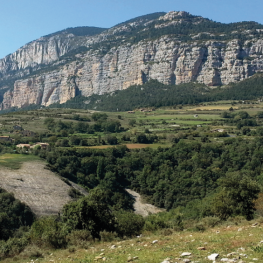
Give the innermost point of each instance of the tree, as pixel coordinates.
(90, 213)
(128, 223)
(236, 197)
(132, 122)
(13, 214)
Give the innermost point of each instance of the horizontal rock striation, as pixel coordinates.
(166, 59)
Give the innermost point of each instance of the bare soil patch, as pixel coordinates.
(43, 191)
(142, 208)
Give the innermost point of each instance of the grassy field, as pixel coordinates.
(241, 242)
(14, 161)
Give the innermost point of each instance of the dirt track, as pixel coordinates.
(36, 186)
(141, 208)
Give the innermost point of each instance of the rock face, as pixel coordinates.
(167, 59)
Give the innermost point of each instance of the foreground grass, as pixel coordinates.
(14, 161)
(244, 241)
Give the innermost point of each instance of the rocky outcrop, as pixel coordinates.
(166, 59)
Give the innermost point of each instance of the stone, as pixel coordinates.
(185, 254)
(201, 248)
(155, 241)
(213, 256)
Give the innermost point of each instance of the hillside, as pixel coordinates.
(199, 164)
(172, 48)
(43, 191)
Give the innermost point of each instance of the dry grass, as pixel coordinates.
(242, 239)
(213, 107)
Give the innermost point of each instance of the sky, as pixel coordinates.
(22, 21)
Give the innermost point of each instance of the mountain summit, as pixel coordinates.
(173, 48)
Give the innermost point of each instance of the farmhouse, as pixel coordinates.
(22, 145)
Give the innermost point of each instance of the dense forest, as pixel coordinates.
(170, 177)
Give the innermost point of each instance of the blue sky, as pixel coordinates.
(22, 21)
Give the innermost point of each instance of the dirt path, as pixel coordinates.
(141, 208)
(43, 191)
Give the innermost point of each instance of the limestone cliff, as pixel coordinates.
(106, 67)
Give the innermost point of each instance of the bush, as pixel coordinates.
(199, 227)
(128, 223)
(48, 231)
(89, 213)
(154, 222)
(81, 238)
(211, 221)
(108, 236)
(13, 246)
(74, 193)
(167, 232)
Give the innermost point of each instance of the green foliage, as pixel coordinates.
(89, 213)
(128, 223)
(79, 237)
(170, 177)
(151, 94)
(99, 116)
(74, 193)
(13, 246)
(237, 196)
(49, 231)
(13, 215)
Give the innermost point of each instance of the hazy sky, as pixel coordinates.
(22, 21)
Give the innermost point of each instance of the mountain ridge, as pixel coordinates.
(173, 48)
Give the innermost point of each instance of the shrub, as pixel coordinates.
(167, 232)
(128, 223)
(199, 227)
(13, 246)
(211, 221)
(81, 238)
(154, 222)
(108, 236)
(49, 231)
